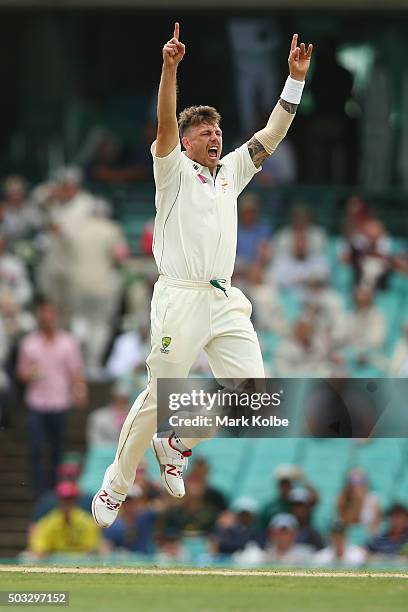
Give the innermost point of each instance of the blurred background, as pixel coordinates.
(322, 253)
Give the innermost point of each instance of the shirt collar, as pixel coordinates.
(202, 170)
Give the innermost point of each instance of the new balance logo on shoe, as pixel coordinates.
(173, 471)
(172, 461)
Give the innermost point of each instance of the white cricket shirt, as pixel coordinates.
(195, 234)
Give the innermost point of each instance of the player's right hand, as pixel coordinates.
(173, 50)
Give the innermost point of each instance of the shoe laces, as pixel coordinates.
(110, 502)
(113, 505)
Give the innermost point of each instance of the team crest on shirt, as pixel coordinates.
(166, 341)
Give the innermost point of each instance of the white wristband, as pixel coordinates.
(292, 92)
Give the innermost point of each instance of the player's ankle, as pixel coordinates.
(176, 444)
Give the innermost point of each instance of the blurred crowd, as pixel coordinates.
(74, 311)
(205, 528)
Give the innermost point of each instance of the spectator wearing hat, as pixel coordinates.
(67, 529)
(236, 527)
(50, 365)
(281, 547)
(133, 530)
(278, 504)
(285, 477)
(340, 552)
(301, 502)
(395, 536)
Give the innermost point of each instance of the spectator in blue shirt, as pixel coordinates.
(253, 233)
(237, 527)
(133, 530)
(391, 541)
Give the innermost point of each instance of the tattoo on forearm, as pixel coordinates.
(257, 152)
(288, 106)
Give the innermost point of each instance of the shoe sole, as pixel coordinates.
(169, 490)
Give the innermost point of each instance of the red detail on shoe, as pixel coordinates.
(111, 505)
(173, 470)
(186, 453)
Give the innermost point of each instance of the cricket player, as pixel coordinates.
(194, 306)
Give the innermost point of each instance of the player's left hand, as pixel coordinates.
(299, 59)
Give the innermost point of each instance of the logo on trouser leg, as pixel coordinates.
(166, 341)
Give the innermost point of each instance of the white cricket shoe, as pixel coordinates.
(172, 462)
(106, 504)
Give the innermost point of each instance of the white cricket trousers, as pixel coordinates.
(196, 316)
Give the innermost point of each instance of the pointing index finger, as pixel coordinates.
(176, 30)
(294, 42)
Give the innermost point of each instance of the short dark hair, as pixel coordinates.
(42, 301)
(194, 115)
(397, 508)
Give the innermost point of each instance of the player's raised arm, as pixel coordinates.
(265, 141)
(167, 130)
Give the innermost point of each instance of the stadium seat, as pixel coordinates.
(96, 461)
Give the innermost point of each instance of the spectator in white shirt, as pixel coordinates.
(369, 253)
(363, 329)
(280, 545)
(322, 299)
(104, 424)
(340, 552)
(295, 268)
(20, 218)
(69, 201)
(127, 354)
(268, 313)
(95, 247)
(300, 222)
(304, 353)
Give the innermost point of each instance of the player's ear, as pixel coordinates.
(186, 143)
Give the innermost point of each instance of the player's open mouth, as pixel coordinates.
(213, 152)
